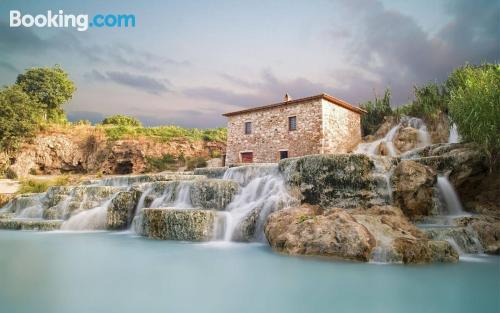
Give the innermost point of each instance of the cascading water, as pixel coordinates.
(263, 191)
(93, 219)
(370, 148)
(454, 137)
(450, 197)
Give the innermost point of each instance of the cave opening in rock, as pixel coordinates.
(124, 167)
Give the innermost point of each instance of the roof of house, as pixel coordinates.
(325, 96)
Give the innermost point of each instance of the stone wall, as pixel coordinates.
(341, 127)
(270, 132)
(322, 127)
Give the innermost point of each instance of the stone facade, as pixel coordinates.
(324, 124)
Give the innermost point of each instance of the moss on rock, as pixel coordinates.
(174, 224)
(342, 180)
(30, 224)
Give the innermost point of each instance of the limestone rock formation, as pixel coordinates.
(27, 224)
(398, 240)
(121, 210)
(487, 229)
(380, 234)
(464, 163)
(86, 149)
(309, 231)
(336, 180)
(175, 224)
(406, 139)
(413, 188)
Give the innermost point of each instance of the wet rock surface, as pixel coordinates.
(175, 224)
(121, 210)
(380, 234)
(27, 224)
(413, 188)
(341, 180)
(311, 231)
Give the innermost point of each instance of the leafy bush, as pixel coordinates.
(474, 105)
(430, 100)
(196, 162)
(122, 120)
(376, 111)
(167, 162)
(19, 117)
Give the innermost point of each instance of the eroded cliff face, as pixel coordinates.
(86, 149)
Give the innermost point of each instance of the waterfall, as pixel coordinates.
(424, 138)
(93, 219)
(454, 137)
(183, 196)
(370, 148)
(450, 197)
(263, 191)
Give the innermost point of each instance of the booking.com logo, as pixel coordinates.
(81, 22)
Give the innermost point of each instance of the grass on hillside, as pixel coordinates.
(165, 133)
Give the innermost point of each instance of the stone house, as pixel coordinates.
(320, 124)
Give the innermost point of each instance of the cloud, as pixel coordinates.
(141, 82)
(268, 89)
(8, 67)
(391, 49)
(23, 41)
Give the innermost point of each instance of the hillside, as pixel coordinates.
(113, 150)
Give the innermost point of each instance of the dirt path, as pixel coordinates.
(9, 186)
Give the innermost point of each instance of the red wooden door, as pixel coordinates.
(247, 157)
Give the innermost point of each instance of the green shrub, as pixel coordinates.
(376, 111)
(196, 162)
(121, 120)
(167, 162)
(430, 100)
(166, 133)
(19, 117)
(37, 186)
(474, 105)
(33, 186)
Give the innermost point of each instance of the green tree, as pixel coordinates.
(121, 120)
(474, 105)
(376, 111)
(19, 117)
(50, 87)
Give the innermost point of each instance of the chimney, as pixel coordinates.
(287, 97)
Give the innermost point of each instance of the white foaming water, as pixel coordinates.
(263, 189)
(183, 196)
(370, 148)
(424, 138)
(450, 197)
(93, 219)
(454, 137)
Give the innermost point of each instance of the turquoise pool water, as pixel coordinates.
(116, 272)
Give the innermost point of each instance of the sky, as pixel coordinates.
(187, 62)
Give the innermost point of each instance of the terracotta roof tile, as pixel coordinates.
(325, 96)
